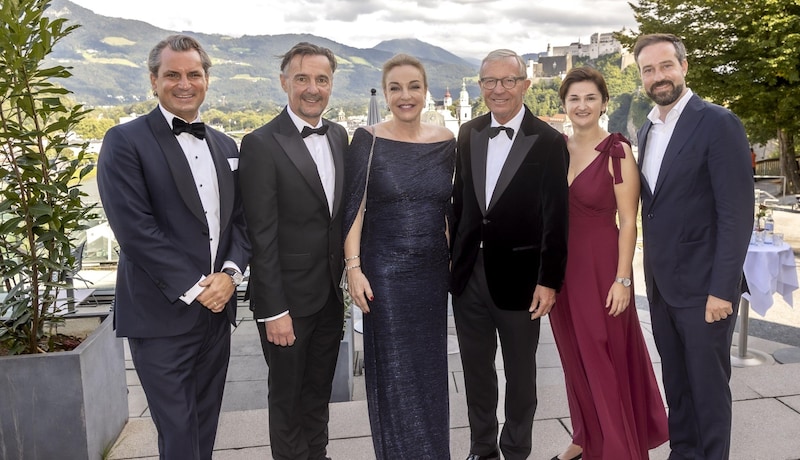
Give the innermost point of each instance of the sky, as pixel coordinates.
(467, 28)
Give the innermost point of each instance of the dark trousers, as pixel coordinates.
(478, 323)
(300, 381)
(696, 368)
(183, 378)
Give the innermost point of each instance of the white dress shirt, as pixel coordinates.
(498, 150)
(658, 139)
(320, 151)
(204, 174)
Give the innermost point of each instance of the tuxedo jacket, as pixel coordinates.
(697, 222)
(523, 231)
(152, 204)
(297, 242)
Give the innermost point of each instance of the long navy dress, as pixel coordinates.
(404, 256)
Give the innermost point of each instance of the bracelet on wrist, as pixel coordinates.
(352, 267)
(348, 259)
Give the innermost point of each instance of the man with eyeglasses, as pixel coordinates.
(509, 252)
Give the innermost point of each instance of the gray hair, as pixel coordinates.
(497, 55)
(307, 49)
(177, 43)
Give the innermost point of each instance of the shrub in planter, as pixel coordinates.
(40, 168)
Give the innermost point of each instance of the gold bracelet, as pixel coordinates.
(348, 259)
(352, 267)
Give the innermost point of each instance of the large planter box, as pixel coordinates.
(66, 405)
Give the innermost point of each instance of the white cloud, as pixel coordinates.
(468, 28)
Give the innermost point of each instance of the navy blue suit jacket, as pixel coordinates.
(153, 207)
(696, 224)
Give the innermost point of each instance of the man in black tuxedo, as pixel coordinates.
(292, 172)
(509, 252)
(169, 188)
(697, 216)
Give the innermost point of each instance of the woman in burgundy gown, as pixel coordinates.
(614, 401)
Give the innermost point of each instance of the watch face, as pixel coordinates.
(235, 276)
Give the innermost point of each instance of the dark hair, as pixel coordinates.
(400, 60)
(177, 43)
(579, 74)
(652, 39)
(307, 49)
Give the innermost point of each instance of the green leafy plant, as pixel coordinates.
(41, 206)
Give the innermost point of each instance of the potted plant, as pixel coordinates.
(45, 395)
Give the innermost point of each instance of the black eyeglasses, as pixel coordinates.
(508, 83)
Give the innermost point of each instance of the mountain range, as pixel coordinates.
(108, 58)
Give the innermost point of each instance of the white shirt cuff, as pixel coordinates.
(230, 264)
(273, 318)
(189, 296)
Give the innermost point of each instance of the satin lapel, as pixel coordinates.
(523, 143)
(335, 140)
(687, 123)
(478, 143)
(293, 146)
(224, 179)
(178, 165)
(642, 150)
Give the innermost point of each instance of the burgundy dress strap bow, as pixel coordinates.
(613, 145)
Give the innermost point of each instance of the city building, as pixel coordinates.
(441, 114)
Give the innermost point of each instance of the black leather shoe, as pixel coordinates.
(493, 456)
(577, 457)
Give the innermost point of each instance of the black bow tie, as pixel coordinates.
(197, 130)
(495, 130)
(309, 131)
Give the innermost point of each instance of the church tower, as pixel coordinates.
(430, 105)
(448, 100)
(464, 109)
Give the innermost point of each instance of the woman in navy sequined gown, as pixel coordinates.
(397, 259)
(614, 401)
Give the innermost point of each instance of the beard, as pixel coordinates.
(664, 98)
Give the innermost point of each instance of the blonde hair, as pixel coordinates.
(400, 60)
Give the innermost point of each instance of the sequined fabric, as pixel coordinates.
(405, 258)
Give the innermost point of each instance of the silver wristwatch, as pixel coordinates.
(624, 281)
(236, 277)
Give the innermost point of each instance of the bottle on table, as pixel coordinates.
(769, 227)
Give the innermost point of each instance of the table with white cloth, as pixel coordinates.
(769, 269)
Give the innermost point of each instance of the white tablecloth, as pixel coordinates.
(769, 269)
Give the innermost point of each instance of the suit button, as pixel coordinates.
(485, 221)
(650, 216)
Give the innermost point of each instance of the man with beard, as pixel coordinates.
(697, 215)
